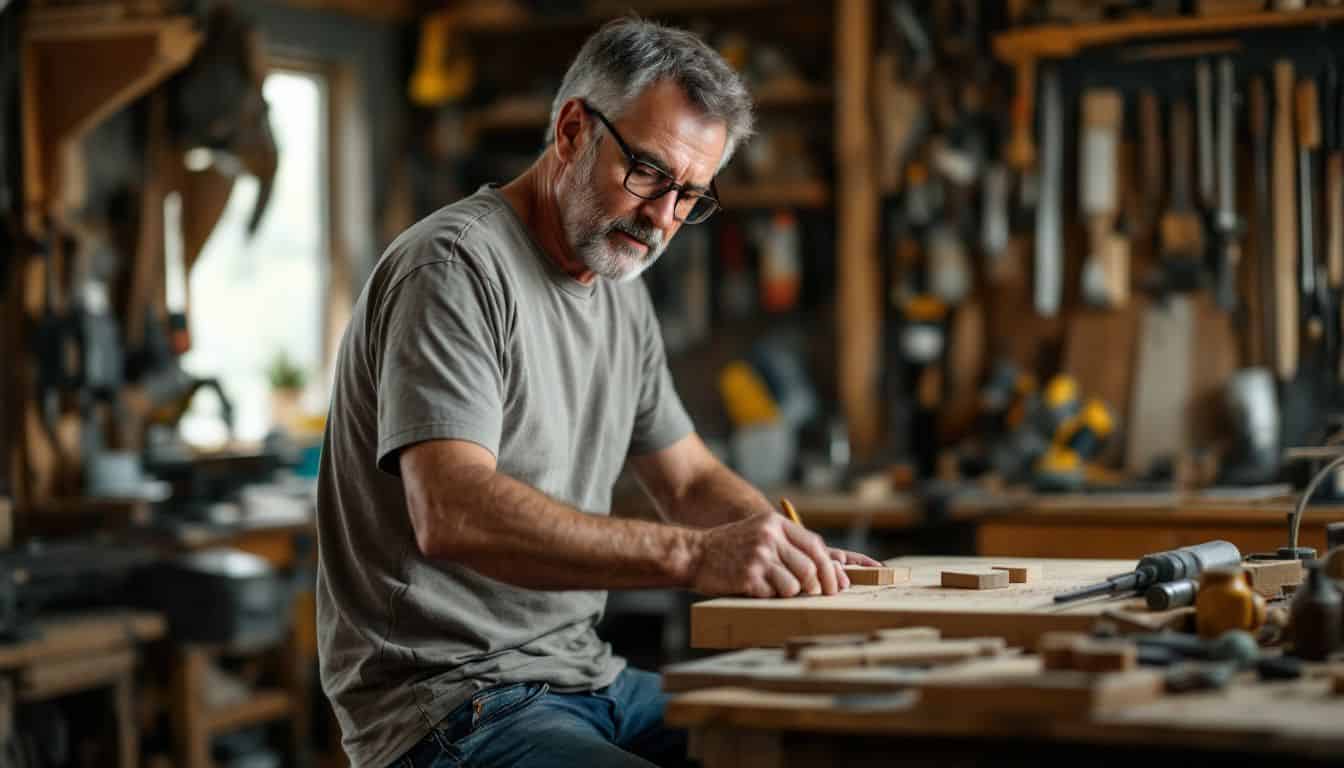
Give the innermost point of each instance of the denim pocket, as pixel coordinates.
(495, 704)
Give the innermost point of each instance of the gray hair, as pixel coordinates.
(626, 56)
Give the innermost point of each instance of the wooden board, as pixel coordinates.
(1161, 387)
(1021, 574)
(1290, 717)
(1019, 613)
(767, 669)
(1065, 694)
(82, 635)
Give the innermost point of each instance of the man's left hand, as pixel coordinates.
(850, 558)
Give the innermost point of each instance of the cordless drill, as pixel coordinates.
(1183, 563)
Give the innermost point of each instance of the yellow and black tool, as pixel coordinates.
(1078, 440)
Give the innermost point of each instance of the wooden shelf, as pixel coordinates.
(1064, 40)
(524, 113)
(261, 707)
(511, 18)
(75, 76)
(788, 194)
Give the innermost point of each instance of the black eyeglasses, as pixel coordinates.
(649, 182)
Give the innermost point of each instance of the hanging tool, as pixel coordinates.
(1285, 224)
(1182, 231)
(1150, 149)
(1106, 273)
(1049, 257)
(1334, 177)
(1309, 140)
(1183, 563)
(1264, 246)
(1204, 137)
(1226, 222)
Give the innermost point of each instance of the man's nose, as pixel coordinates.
(662, 212)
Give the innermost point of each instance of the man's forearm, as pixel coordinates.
(717, 496)
(512, 532)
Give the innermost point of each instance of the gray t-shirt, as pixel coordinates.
(466, 331)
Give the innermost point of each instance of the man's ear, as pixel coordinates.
(571, 131)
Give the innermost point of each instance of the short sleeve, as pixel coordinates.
(439, 359)
(660, 417)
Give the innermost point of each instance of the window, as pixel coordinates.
(253, 300)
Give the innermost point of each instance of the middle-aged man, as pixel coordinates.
(501, 366)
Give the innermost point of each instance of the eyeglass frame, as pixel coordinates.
(634, 160)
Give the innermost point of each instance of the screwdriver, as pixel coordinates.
(1183, 563)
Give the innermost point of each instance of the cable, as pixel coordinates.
(1296, 520)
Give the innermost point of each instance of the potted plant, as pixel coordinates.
(287, 382)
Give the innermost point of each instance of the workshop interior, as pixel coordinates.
(1039, 302)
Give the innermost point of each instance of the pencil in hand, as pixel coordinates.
(790, 511)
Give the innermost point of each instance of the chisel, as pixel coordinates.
(1049, 260)
(1264, 227)
(1285, 224)
(1106, 273)
(1204, 135)
(1226, 222)
(1181, 229)
(1150, 148)
(1308, 140)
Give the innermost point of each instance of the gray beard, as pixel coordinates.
(587, 230)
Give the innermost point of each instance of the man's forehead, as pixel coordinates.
(664, 124)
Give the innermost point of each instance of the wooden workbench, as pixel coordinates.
(1295, 722)
(81, 652)
(1020, 612)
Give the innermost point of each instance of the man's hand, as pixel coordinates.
(845, 557)
(766, 555)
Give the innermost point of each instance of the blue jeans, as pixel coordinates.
(527, 724)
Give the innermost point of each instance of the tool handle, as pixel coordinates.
(1285, 223)
(1308, 116)
(1204, 116)
(1180, 155)
(1150, 139)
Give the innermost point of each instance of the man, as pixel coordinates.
(500, 367)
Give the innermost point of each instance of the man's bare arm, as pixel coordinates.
(463, 510)
(693, 487)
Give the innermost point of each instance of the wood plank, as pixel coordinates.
(54, 678)
(261, 707)
(63, 637)
(1269, 577)
(1161, 384)
(1056, 694)
(1019, 614)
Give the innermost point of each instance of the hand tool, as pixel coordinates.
(1150, 142)
(1334, 178)
(1309, 140)
(1285, 224)
(1264, 273)
(1226, 222)
(1171, 565)
(1204, 135)
(1106, 273)
(1049, 258)
(1182, 231)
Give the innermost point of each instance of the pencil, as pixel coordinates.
(790, 511)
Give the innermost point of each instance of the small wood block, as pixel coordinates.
(1060, 694)
(1020, 574)
(905, 634)
(831, 657)
(1337, 679)
(876, 576)
(906, 653)
(794, 645)
(1056, 649)
(1091, 655)
(975, 579)
(990, 646)
(1269, 577)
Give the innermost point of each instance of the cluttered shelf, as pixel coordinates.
(512, 18)
(1063, 40)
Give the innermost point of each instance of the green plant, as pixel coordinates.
(285, 373)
